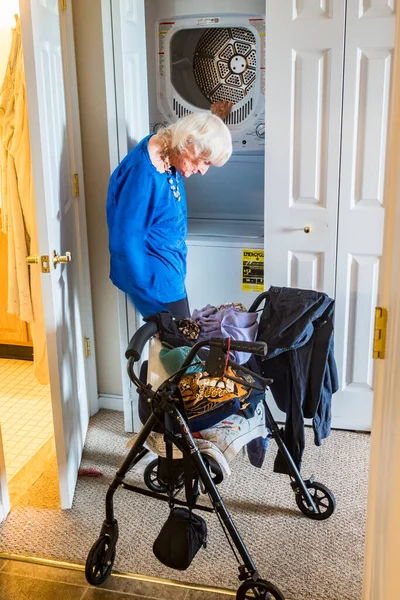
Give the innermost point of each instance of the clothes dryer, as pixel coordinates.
(200, 55)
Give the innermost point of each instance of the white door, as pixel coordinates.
(305, 50)
(4, 500)
(129, 47)
(303, 118)
(363, 191)
(61, 230)
(327, 101)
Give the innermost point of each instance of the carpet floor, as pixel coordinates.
(308, 560)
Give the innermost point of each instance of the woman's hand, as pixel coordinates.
(221, 108)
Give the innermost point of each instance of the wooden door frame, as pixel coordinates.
(382, 547)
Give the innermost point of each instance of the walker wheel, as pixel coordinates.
(151, 480)
(323, 498)
(214, 469)
(97, 569)
(263, 590)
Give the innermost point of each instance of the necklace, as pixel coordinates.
(173, 181)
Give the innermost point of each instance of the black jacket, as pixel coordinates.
(297, 325)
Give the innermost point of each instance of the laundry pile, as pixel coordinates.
(224, 415)
(297, 326)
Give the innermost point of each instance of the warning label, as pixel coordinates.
(252, 270)
(163, 30)
(259, 25)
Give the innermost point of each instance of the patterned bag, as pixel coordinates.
(208, 400)
(189, 328)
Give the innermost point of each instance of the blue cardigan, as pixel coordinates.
(147, 232)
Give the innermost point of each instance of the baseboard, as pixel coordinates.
(111, 402)
(16, 352)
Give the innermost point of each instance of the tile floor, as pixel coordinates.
(25, 416)
(27, 581)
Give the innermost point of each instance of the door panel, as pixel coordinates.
(369, 47)
(57, 214)
(303, 117)
(305, 50)
(325, 171)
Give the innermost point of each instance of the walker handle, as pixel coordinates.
(258, 301)
(242, 346)
(139, 340)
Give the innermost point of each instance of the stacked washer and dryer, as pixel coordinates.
(199, 53)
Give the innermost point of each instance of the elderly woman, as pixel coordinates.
(147, 215)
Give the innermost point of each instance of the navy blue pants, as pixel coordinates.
(179, 308)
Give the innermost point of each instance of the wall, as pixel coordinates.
(96, 165)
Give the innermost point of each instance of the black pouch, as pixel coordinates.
(181, 537)
(170, 472)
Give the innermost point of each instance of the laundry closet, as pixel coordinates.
(192, 61)
(306, 181)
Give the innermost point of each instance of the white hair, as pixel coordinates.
(201, 135)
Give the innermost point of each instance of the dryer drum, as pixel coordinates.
(225, 62)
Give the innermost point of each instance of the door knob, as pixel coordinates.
(59, 258)
(32, 259)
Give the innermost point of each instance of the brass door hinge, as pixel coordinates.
(75, 184)
(380, 332)
(63, 4)
(87, 347)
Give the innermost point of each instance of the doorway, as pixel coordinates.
(27, 426)
(26, 414)
(305, 260)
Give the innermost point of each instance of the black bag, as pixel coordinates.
(180, 538)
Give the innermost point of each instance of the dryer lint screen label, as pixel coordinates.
(208, 21)
(252, 270)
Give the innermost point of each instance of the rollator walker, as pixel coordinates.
(168, 416)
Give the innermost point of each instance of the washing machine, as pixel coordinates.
(199, 53)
